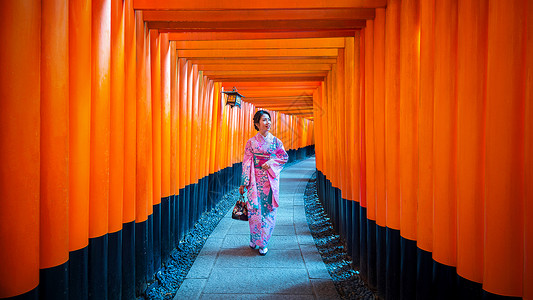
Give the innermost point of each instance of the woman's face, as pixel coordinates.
(264, 123)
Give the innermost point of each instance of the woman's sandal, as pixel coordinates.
(253, 246)
(263, 251)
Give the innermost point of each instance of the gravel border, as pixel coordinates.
(332, 248)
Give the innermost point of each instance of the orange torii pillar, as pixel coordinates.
(100, 148)
(20, 148)
(143, 193)
(408, 143)
(79, 146)
(425, 149)
(54, 185)
(130, 153)
(116, 154)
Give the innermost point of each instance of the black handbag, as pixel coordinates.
(240, 210)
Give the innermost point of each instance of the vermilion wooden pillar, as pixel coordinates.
(471, 97)
(445, 133)
(116, 155)
(130, 153)
(100, 148)
(392, 144)
(54, 246)
(19, 147)
(425, 126)
(503, 259)
(80, 13)
(142, 193)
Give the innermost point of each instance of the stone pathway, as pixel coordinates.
(227, 268)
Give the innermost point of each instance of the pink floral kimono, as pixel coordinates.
(263, 185)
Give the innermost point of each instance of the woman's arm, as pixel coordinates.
(246, 166)
(278, 161)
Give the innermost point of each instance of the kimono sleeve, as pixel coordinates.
(247, 164)
(280, 157)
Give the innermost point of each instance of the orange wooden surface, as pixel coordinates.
(340, 106)
(54, 134)
(222, 35)
(356, 150)
(379, 115)
(504, 170)
(264, 15)
(471, 94)
(392, 113)
(142, 193)
(19, 146)
(425, 126)
(174, 123)
(528, 163)
(116, 155)
(183, 125)
(445, 133)
(155, 67)
(349, 134)
(362, 129)
(241, 4)
(149, 123)
(100, 118)
(189, 172)
(166, 179)
(409, 88)
(369, 121)
(195, 125)
(79, 122)
(130, 115)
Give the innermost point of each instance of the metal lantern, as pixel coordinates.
(233, 98)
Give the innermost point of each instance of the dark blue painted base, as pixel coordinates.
(114, 266)
(128, 260)
(31, 295)
(157, 237)
(407, 269)
(424, 274)
(166, 229)
(393, 265)
(78, 274)
(141, 257)
(150, 249)
(371, 249)
(53, 282)
(98, 252)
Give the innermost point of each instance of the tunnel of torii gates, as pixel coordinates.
(115, 137)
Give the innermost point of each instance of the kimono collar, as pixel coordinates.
(262, 138)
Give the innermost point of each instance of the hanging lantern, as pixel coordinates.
(233, 98)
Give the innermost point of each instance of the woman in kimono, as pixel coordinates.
(264, 157)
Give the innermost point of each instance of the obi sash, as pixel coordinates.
(260, 160)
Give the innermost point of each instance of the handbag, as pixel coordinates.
(240, 210)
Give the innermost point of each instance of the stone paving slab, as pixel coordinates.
(259, 281)
(227, 268)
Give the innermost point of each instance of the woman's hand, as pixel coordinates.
(265, 166)
(241, 189)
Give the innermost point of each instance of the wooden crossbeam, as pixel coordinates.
(256, 15)
(260, 72)
(329, 53)
(270, 79)
(273, 25)
(259, 4)
(263, 44)
(254, 61)
(265, 67)
(239, 35)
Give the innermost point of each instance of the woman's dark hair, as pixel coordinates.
(257, 117)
